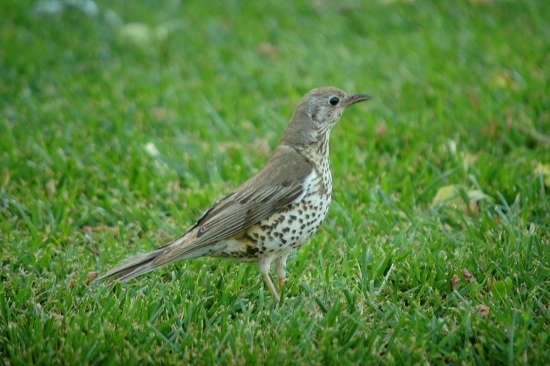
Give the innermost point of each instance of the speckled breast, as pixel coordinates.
(285, 230)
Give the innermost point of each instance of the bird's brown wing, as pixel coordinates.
(279, 183)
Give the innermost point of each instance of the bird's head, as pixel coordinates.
(318, 111)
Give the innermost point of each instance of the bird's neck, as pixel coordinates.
(318, 154)
(319, 149)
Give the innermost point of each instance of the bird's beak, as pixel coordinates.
(356, 98)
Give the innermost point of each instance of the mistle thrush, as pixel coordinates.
(276, 210)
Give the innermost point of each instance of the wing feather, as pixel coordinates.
(279, 183)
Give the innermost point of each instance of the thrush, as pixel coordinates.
(276, 210)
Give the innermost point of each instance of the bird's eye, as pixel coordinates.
(334, 100)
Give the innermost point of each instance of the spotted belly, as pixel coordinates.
(278, 234)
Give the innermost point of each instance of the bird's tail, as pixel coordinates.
(141, 264)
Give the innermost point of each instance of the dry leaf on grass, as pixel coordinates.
(454, 282)
(101, 228)
(450, 195)
(467, 275)
(483, 310)
(90, 276)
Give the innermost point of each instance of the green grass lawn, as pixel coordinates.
(121, 124)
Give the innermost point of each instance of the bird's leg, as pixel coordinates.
(279, 266)
(263, 265)
(272, 288)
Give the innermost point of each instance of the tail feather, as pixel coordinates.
(141, 264)
(132, 267)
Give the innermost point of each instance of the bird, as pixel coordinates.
(272, 213)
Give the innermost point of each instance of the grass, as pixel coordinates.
(121, 126)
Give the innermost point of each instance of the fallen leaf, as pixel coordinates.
(483, 310)
(472, 209)
(467, 275)
(450, 195)
(445, 194)
(90, 276)
(454, 282)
